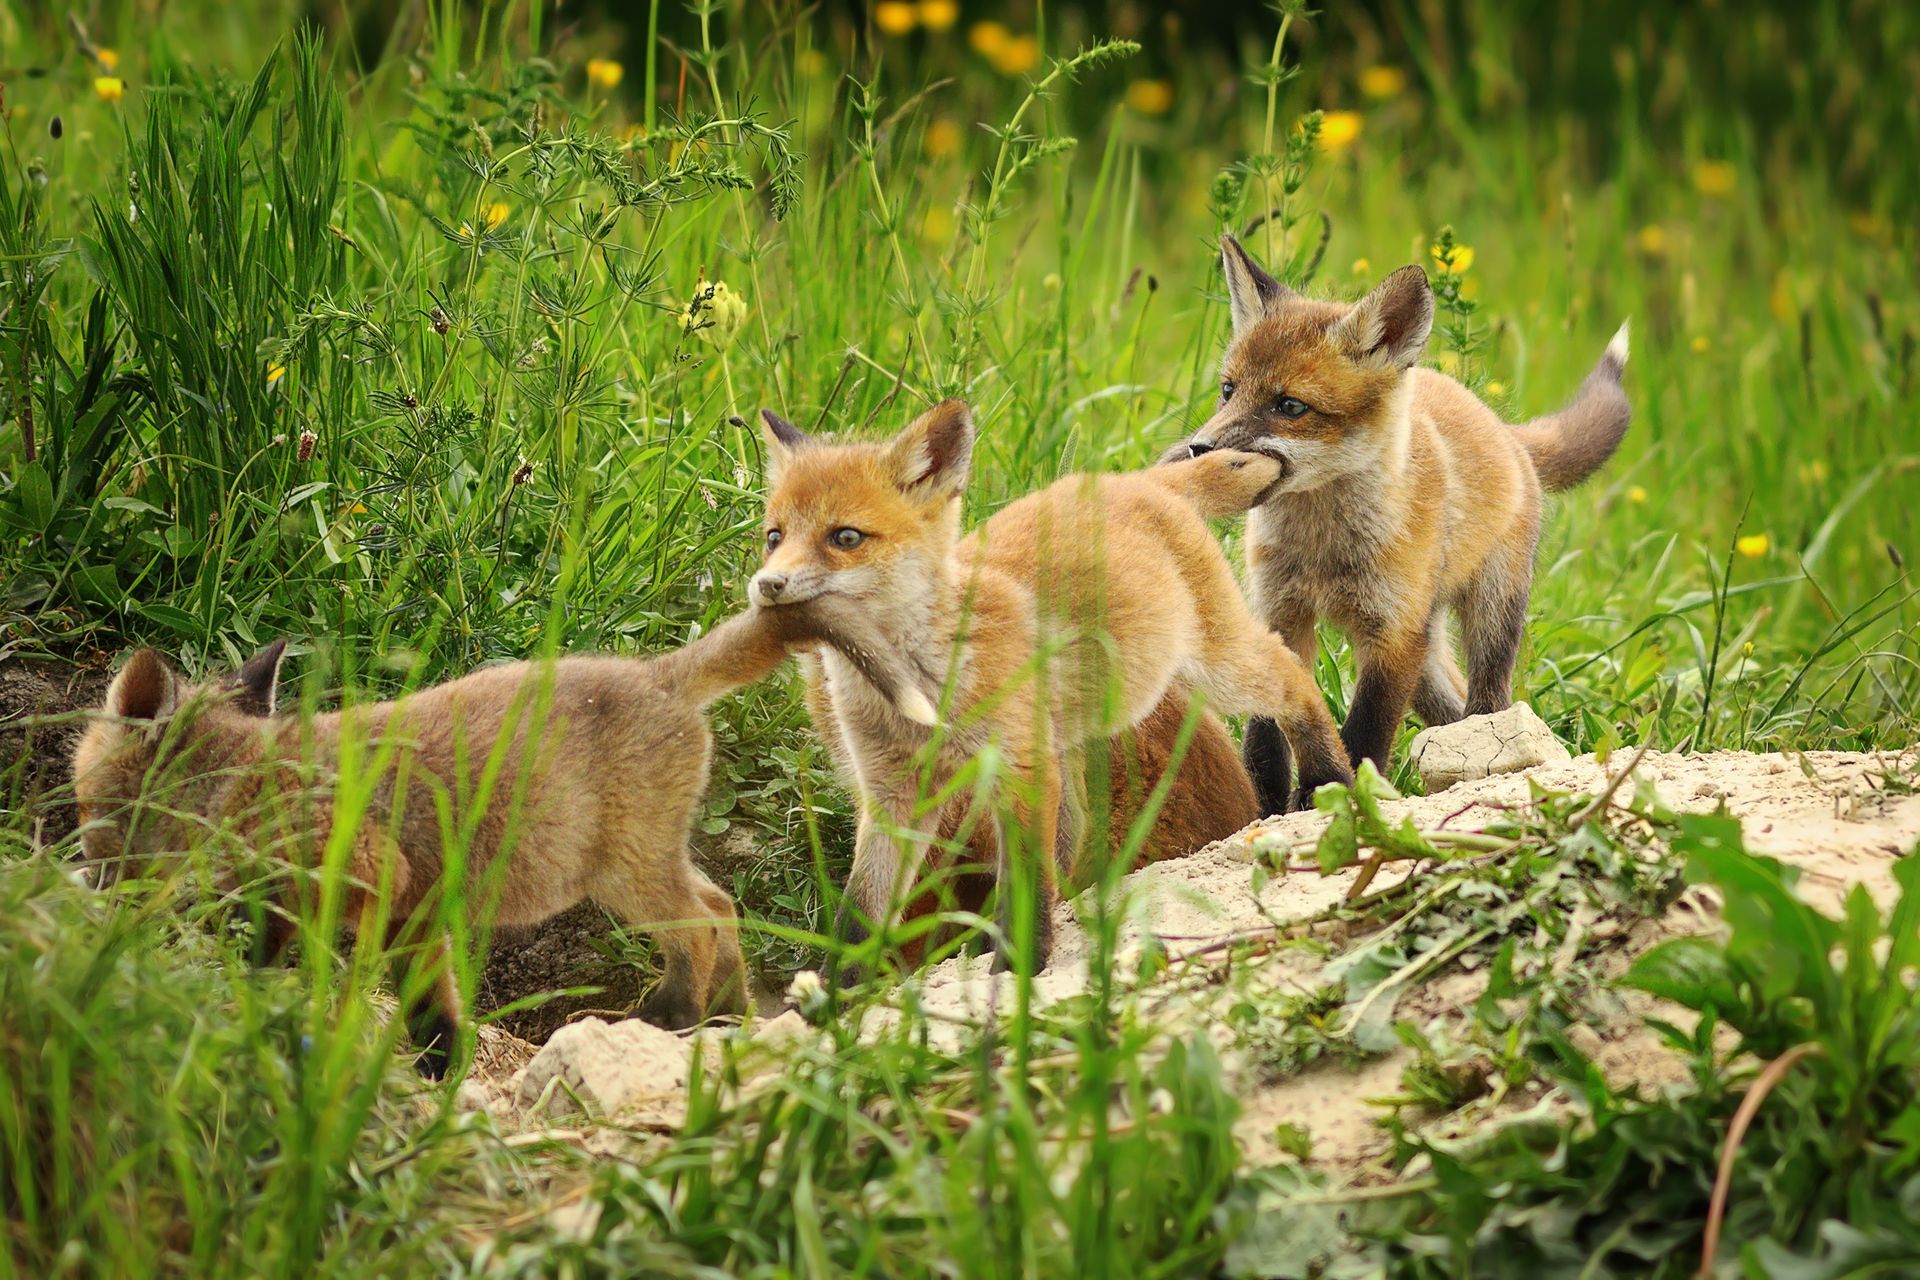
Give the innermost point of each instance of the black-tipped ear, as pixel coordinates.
(783, 440)
(783, 433)
(935, 453)
(1388, 328)
(145, 689)
(255, 684)
(1251, 291)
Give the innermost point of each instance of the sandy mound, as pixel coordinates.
(1832, 814)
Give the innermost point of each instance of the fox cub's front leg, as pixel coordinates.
(886, 860)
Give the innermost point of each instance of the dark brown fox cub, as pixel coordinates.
(1403, 496)
(601, 764)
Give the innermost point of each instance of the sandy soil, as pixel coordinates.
(1831, 814)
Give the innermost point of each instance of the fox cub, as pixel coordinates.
(1401, 497)
(1067, 618)
(602, 762)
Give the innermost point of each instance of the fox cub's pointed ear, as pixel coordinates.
(1388, 328)
(1251, 291)
(256, 684)
(145, 689)
(783, 440)
(934, 455)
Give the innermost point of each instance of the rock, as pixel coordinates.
(1481, 746)
(606, 1068)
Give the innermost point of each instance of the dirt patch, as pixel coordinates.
(42, 714)
(1831, 814)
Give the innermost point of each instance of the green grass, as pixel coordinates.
(374, 339)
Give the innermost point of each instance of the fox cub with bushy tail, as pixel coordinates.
(1401, 497)
(1065, 619)
(598, 765)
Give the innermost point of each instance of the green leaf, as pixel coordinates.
(178, 621)
(1688, 971)
(31, 507)
(97, 584)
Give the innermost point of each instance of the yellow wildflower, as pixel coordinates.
(275, 372)
(604, 73)
(1652, 239)
(1150, 97)
(1338, 129)
(1383, 82)
(987, 38)
(1019, 54)
(1637, 496)
(496, 214)
(811, 62)
(936, 224)
(109, 88)
(1868, 226)
(714, 314)
(1714, 177)
(939, 15)
(941, 139)
(1780, 299)
(895, 17)
(1362, 266)
(1701, 344)
(108, 59)
(1496, 388)
(1459, 265)
(1753, 545)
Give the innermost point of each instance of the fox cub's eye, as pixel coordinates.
(847, 539)
(1288, 407)
(1226, 390)
(773, 539)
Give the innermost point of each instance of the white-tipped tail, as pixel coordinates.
(1617, 348)
(915, 707)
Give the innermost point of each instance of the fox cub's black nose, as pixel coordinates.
(772, 584)
(1197, 447)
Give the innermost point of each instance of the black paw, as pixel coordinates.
(1269, 763)
(435, 1037)
(672, 1010)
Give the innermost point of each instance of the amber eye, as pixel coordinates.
(1226, 390)
(1288, 407)
(846, 539)
(773, 539)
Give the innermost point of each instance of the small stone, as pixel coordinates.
(1481, 746)
(604, 1067)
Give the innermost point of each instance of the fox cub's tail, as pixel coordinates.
(1572, 444)
(1221, 483)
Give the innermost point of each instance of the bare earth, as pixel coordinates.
(1829, 813)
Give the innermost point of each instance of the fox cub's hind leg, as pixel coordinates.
(1268, 759)
(1440, 697)
(727, 990)
(1251, 669)
(1030, 855)
(1493, 621)
(660, 894)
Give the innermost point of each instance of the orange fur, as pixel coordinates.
(1066, 618)
(1403, 497)
(603, 764)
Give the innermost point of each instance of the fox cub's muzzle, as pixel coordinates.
(772, 587)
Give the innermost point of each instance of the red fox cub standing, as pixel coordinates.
(1111, 586)
(602, 764)
(1402, 496)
